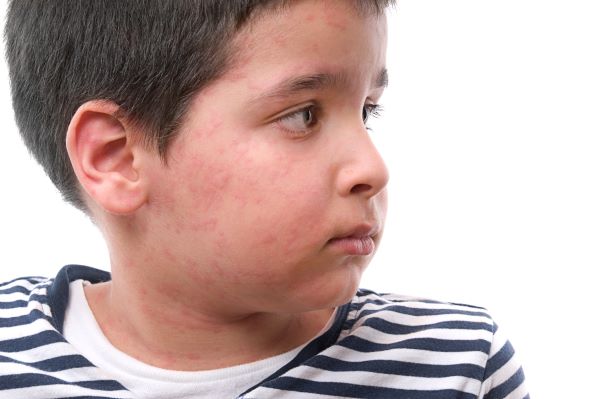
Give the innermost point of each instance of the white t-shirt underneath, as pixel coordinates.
(145, 381)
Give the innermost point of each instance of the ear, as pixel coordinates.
(103, 153)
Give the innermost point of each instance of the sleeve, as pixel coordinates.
(504, 377)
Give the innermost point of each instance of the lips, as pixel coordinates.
(357, 241)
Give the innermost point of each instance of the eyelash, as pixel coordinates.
(369, 110)
(373, 110)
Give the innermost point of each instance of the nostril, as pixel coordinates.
(360, 188)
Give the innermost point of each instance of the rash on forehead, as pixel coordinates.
(334, 15)
(336, 19)
(265, 42)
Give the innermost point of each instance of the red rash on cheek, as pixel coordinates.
(206, 225)
(168, 254)
(310, 17)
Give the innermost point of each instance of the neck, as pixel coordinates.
(169, 332)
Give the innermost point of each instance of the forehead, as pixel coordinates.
(312, 37)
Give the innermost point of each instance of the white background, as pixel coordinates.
(492, 136)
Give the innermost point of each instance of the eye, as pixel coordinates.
(299, 122)
(371, 110)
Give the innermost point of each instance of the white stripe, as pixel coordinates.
(498, 342)
(21, 283)
(366, 378)
(378, 337)
(503, 373)
(409, 355)
(518, 393)
(409, 320)
(272, 393)
(42, 353)
(61, 391)
(26, 330)
(383, 298)
(425, 306)
(420, 301)
(80, 374)
(441, 306)
(22, 310)
(414, 302)
(16, 296)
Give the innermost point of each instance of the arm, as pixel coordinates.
(504, 377)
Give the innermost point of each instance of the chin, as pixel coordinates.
(334, 290)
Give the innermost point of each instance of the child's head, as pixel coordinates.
(225, 139)
(148, 56)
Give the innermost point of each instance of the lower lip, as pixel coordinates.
(354, 245)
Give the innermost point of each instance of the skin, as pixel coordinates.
(224, 255)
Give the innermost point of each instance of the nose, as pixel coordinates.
(363, 172)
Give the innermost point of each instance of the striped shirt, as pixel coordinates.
(378, 346)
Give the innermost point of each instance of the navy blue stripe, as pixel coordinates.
(14, 381)
(15, 288)
(394, 328)
(379, 301)
(393, 301)
(430, 344)
(86, 397)
(39, 298)
(33, 341)
(499, 359)
(387, 298)
(340, 389)
(395, 367)
(504, 389)
(13, 305)
(22, 303)
(59, 363)
(364, 292)
(407, 310)
(22, 320)
(466, 305)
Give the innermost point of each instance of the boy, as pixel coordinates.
(221, 149)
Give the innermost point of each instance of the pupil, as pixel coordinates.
(308, 116)
(365, 114)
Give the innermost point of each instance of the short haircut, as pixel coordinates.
(150, 57)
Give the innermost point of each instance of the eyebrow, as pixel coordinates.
(318, 81)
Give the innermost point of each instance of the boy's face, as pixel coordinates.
(273, 165)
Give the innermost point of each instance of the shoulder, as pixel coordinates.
(435, 339)
(406, 347)
(400, 314)
(24, 312)
(35, 359)
(32, 298)
(26, 329)
(21, 295)
(432, 332)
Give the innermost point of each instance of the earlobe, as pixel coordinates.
(103, 154)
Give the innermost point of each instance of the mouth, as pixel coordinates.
(358, 241)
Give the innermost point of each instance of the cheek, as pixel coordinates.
(281, 204)
(249, 208)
